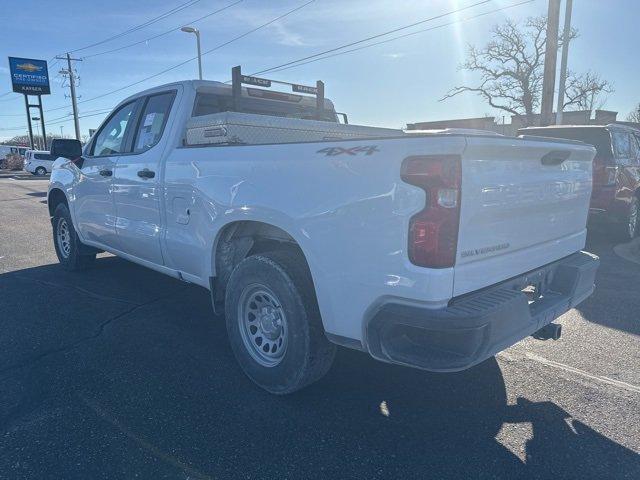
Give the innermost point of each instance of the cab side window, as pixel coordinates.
(153, 120)
(110, 139)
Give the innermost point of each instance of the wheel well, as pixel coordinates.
(56, 197)
(239, 240)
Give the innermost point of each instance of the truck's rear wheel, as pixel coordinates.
(274, 323)
(66, 242)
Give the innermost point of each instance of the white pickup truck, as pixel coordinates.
(433, 250)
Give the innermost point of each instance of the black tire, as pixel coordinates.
(40, 171)
(69, 250)
(308, 354)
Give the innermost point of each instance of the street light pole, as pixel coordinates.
(197, 33)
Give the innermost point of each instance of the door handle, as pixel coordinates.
(106, 173)
(146, 173)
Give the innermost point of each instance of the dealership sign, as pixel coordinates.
(29, 76)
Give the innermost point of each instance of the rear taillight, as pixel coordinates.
(433, 232)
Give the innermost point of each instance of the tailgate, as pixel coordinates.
(524, 203)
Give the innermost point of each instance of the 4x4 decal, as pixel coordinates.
(334, 151)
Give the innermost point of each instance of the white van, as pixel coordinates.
(38, 162)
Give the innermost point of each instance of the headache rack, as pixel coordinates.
(244, 126)
(238, 79)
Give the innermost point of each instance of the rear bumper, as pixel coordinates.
(476, 326)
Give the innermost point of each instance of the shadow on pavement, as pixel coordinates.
(123, 372)
(616, 300)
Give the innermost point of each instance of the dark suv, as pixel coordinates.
(616, 170)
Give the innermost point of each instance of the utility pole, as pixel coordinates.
(550, 61)
(72, 86)
(566, 37)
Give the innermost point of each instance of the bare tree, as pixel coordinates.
(634, 116)
(24, 139)
(584, 92)
(511, 69)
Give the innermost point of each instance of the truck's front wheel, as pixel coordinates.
(66, 241)
(274, 324)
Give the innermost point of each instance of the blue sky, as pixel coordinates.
(388, 85)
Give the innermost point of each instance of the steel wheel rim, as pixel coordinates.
(262, 324)
(633, 219)
(63, 237)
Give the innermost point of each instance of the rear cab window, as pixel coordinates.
(260, 102)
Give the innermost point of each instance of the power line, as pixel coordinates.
(403, 36)
(163, 33)
(56, 121)
(313, 58)
(373, 37)
(180, 64)
(193, 58)
(135, 28)
(185, 5)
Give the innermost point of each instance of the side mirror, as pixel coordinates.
(66, 148)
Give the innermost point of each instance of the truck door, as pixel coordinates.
(137, 186)
(94, 207)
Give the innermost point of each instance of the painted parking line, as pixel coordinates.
(169, 458)
(576, 371)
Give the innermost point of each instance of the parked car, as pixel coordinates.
(616, 171)
(431, 250)
(38, 162)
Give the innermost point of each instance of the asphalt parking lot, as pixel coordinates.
(120, 372)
